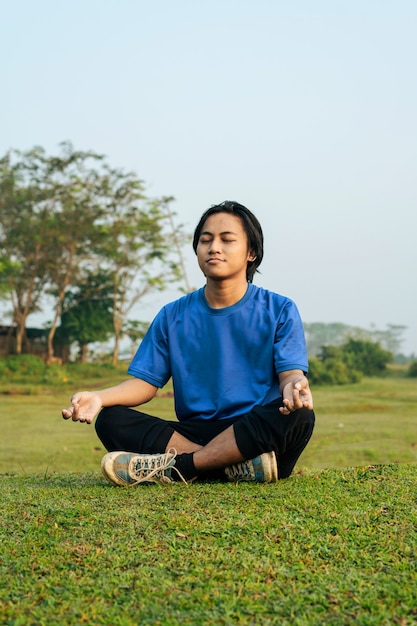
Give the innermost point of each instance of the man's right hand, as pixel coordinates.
(84, 407)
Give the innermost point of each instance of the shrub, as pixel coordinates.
(412, 370)
(345, 364)
(23, 366)
(366, 356)
(332, 371)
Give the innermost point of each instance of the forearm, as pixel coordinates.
(132, 392)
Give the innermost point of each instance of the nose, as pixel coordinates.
(215, 245)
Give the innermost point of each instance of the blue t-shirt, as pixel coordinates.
(224, 361)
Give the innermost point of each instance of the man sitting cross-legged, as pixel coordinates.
(237, 357)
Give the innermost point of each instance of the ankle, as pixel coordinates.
(184, 463)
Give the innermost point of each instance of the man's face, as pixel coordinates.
(222, 249)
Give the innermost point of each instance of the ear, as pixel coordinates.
(252, 256)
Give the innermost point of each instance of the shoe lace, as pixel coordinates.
(241, 470)
(152, 467)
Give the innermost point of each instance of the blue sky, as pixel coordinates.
(304, 111)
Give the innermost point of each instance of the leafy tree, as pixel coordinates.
(22, 260)
(71, 224)
(87, 313)
(340, 365)
(64, 215)
(135, 246)
(366, 356)
(332, 370)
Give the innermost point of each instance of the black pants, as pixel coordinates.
(263, 429)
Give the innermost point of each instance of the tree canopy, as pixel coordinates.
(70, 221)
(349, 362)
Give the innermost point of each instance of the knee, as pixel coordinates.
(306, 416)
(102, 420)
(303, 421)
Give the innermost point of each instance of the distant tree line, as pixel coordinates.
(347, 363)
(320, 334)
(85, 236)
(342, 354)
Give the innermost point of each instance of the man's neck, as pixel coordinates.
(220, 294)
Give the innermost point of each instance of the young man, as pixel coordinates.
(237, 357)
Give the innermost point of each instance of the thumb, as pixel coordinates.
(301, 384)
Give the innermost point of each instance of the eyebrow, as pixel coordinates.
(224, 232)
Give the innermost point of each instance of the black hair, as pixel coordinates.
(251, 226)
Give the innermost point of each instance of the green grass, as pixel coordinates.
(330, 547)
(373, 422)
(334, 544)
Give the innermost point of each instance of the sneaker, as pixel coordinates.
(262, 469)
(130, 468)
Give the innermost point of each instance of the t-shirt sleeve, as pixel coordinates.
(151, 362)
(290, 350)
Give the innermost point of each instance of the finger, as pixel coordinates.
(287, 407)
(296, 400)
(301, 386)
(298, 403)
(66, 413)
(75, 413)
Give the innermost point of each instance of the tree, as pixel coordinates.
(135, 246)
(179, 238)
(347, 363)
(48, 211)
(136, 330)
(87, 313)
(331, 370)
(389, 339)
(64, 215)
(366, 356)
(22, 259)
(72, 230)
(319, 334)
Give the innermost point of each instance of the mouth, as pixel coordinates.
(214, 261)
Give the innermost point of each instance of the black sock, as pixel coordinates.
(185, 465)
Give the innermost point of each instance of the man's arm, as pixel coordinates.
(86, 404)
(295, 391)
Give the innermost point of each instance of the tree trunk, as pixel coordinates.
(115, 356)
(20, 333)
(83, 352)
(20, 317)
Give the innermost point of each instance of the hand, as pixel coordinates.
(296, 394)
(84, 407)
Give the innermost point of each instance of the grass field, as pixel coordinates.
(372, 422)
(334, 544)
